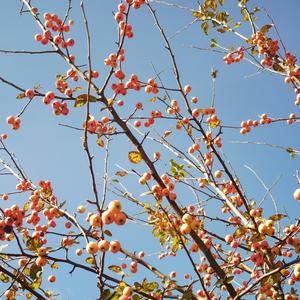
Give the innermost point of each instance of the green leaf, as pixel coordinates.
(61, 77)
(36, 283)
(35, 271)
(115, 269)
(105, 295)
(175, 244)
(82, 99)
(151, 286)
(33, 244)
(77, 89)
(254, 51)
(229, 279)
(278, 217)
(221, 2)
(205, 27)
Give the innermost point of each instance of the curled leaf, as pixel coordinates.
(266, 28)
(121, 173)
(167, 133)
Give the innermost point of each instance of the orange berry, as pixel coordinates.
(297, 194)
(114, 246)
(91, 248)
(103, 245)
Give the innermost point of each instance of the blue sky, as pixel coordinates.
(49, 151)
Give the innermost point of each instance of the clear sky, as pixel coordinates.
(49, 151)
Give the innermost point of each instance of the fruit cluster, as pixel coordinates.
(229, 58)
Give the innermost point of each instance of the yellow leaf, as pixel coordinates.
(115, 269)
(100, 143)
(26, 206)
(213, 125)
(197, 14)
(190, 130)
(21, 96)
(239, 232)
(134, 156)
(54, 265)
(153, 99)
(83, 99)
(110, 101)
(90, 260)
(277, 217)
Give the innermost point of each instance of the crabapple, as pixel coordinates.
(115, 206)
(297, 194)
(172, 274)
(120, 218)
(91, 248)
(51, 278)
(187, 89)
(187, 219)
(185, 229)
(29, 93)
(79, 252)
(41, 261)
(123, 266)
(81, 209)
(114, 246)
(103, 245)
(108, 217)
(95, 220)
